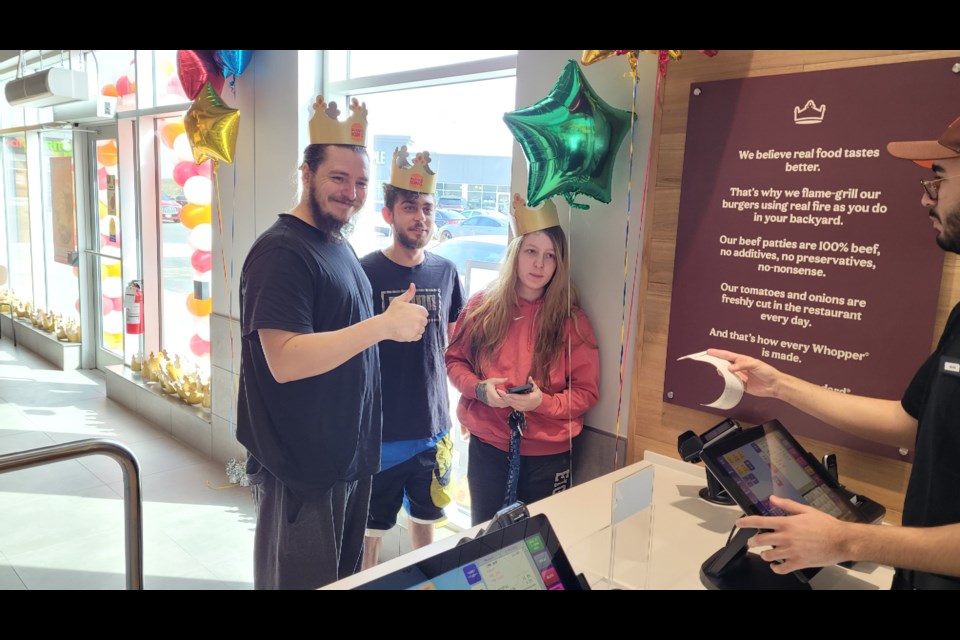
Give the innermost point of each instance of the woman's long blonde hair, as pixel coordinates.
(485, 327)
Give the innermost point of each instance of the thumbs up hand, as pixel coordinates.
(405, 320)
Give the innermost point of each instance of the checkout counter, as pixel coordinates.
(659, 542)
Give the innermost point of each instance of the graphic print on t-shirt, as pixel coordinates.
(430, 299)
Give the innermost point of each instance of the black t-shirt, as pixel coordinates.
(413, 374)
(933, 398)
(313, 432)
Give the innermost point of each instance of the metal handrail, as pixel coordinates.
(132, 501)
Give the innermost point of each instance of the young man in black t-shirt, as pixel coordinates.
(309, 399)
(926, 549)
(417, 451)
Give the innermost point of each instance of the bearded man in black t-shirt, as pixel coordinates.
(308, 410)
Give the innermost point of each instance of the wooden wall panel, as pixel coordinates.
(654, 424)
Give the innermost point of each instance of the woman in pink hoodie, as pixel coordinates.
(525, 328)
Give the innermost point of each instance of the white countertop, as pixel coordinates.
(686, 530)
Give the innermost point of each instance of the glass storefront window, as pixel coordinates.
(13, 155)
(461, 126)
(361, 63)
(118, 76)
(185, 252)
(168, 88)
(108, 242)
(452, 122)
(60, 225)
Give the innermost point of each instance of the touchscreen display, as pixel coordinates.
(524, 565)
(525, 554)
(773, 465)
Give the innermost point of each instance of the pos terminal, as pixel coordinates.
(753, 464)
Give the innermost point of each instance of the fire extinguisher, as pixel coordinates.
(133, 307)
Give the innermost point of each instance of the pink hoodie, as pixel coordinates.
(560, 416)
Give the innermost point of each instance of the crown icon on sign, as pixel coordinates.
(327, 128)
(416, 176)
(810, 114)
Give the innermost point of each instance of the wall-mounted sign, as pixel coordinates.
(801, 241)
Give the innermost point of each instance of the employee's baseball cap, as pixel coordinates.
(925, 152)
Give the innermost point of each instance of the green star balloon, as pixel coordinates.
(571, 139)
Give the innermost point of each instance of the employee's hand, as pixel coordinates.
(487, 393)
(405, 321)
(806, 538)
(523, 401)
(759, 378)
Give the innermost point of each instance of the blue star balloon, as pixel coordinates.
(571, 139)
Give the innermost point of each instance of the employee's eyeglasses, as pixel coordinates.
(932, 187)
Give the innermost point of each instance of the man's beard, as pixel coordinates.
(412, 243)
(949, 238)
(333, 229)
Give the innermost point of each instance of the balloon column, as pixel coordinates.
(111, 282)
(209, 134)
(571, 139)
(197, 184)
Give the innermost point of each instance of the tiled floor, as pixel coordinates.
(61, 525)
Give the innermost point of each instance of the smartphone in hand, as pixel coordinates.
(523, 388)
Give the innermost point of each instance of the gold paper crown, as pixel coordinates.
(326, 128)
(417, 177)
(527, 220)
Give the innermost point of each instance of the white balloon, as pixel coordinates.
(111, 170)
(202, 277)
(198, 189)
(200, 237)
(112, 287)
(113, 322)
(201, 326)
(181, 147)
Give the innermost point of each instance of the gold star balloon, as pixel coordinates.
(211, 127)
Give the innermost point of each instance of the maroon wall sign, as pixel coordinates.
(801, 241)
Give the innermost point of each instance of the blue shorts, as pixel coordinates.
(421, 485)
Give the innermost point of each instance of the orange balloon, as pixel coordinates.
(107, 154)
(110, 89)
(170, 131)
(193, 214)
(199, 308)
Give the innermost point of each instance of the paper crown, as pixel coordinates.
(417, 177)
(527, 220)
(326, 128)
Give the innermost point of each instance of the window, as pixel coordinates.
(61, 256)
(13, 155)
(458, 119)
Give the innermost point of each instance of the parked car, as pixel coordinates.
(485, 225)
(443, 217)
(483, 249)
(469, 213)
(169, 209)
(454, 203)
